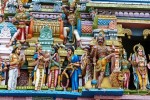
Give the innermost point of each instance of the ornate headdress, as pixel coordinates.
(140, 47)
(102, 33)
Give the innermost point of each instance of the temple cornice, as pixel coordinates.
(133, 21)
(119, 5)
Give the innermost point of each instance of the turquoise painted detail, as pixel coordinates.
(62, 94)
(12, 27)
(79, 26)
(46, 39)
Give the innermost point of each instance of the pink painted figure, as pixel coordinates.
(54, 70)
(125, 69)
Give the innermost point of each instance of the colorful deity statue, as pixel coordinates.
(86, 65)
(54, 69)
(101, 56)
(139, 64)
(74, 70)
(16, 62)
(3, 68)
(70, 21)
(125, 64)
(21, 17)
(40, 61)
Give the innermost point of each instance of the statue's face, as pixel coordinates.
(40, 50)
(72, 19)
(69, 51)
(18, 50)
(21, 7)
(140, 52)
(100, 40)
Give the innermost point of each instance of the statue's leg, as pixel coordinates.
(37, 78)
(128, 78)
(66, 31)
(10, 80)
(112, 57)
(74, 80)
(140, 79)
(56, 77)
(44, 79)
(77, 36)
(100, 79)
(49, 79)
(145, 80)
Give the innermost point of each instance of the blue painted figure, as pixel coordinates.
(76, 72)
(3, 69)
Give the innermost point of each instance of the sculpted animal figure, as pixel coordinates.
(116, 79)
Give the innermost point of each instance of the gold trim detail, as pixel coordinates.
(146, 32)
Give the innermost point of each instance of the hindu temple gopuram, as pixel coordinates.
(74, 49)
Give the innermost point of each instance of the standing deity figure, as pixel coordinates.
(101, 56)
(22, 29)
(86, 65)
(73, 69)
(3, 68)
(16, 61)
(125, 65)
(139, 64)
(54, 69)
(40, 62)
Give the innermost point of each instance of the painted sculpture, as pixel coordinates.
(139, 64)
(100, 58)
(74, 68)
(125, 65)
(71, 45)
(22, 29)
(16, 62)
(40, 61)
(54, 69)
(86, 66)
(70, 21)
(3, 68)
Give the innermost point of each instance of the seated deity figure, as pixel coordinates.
(125, 65)
(3, 68)
(101, 56)
(16, 62)
(139, 64)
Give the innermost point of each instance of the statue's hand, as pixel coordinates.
(148, 65)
